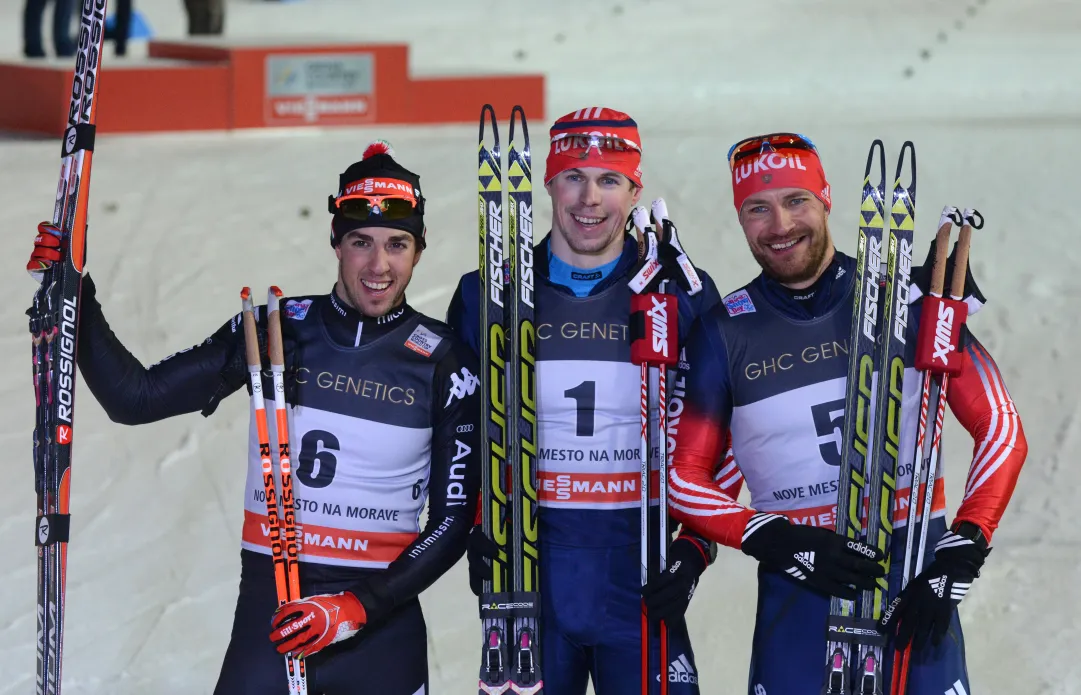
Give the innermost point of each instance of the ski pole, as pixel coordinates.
(287, 586)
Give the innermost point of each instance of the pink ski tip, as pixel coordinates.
(838, 661)
(524, 642)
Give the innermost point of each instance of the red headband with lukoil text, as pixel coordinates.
(595, 137)
(779, 167)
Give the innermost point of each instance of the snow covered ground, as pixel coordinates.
(989, 91)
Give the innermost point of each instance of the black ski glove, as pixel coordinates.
(828, 562)
(923, 611)
(480, 551)
(668, 596)
(235, 372)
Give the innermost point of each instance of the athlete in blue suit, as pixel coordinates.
(589, 423)
(764, 378)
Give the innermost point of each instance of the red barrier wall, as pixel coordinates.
(217, 84)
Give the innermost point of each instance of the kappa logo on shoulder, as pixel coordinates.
(739, 303)
(462, 387)
(297, 310)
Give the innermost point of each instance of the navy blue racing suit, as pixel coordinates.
(764, 380)
(588, 417)
(382, 421)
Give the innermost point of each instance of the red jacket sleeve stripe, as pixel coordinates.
(1004, 426)
(982, 404)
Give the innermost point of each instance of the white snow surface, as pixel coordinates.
(180, 222)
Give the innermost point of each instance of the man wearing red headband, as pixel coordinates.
(588, 419)
(767, 370)
(383, 417)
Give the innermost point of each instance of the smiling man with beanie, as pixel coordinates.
(383, 410)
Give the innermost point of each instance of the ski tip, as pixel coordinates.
(876, 146)
(486, 111)
(245, 293)
(972, 218)
(517, 118)
(521, 118)
(641, 219)
(911, 149)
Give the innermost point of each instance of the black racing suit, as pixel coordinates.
(383, 417)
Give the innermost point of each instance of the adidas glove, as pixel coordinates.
(817, 557)
(669, 594)
(924, 609)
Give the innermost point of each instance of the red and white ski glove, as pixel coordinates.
(660, 254)
(46, 250)
(301, 628)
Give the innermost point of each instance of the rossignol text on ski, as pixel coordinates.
(54, 330)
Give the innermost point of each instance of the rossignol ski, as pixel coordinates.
(54, 330)
(282, 523)
(510, 602)
(871, 447)
(937, 344)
